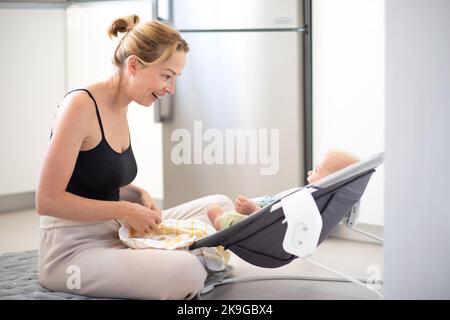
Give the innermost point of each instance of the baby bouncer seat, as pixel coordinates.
(297, 221)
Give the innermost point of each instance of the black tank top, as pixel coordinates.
(101, 171)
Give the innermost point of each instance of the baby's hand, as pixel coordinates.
(244, 205)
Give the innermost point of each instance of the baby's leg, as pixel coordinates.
(214, 212)
(245, 206)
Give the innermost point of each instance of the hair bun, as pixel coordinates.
(122, 25)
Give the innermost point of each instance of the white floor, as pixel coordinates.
(19, 231)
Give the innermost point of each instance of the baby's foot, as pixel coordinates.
(214, 212)
(244, 205)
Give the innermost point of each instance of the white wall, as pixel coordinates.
(48, 50)
(89, 54)
(348, 87)
(31, 85)
(417, 229)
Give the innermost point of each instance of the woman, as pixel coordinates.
(84, 189)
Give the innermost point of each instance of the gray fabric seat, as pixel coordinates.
(259, 238)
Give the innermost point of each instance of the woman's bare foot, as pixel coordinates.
(214, 212)
(246, 206)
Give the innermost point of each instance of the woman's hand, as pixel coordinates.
(138, 195)
(140, 218)
(147, 201)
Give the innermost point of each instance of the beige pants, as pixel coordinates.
(89, 259)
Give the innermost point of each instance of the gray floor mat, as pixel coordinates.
(19, 279)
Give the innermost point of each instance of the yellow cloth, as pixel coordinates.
(174, 234)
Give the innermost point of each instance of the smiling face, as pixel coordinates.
(148, 83)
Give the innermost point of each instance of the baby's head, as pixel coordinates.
(333, 161)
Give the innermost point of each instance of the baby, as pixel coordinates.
(333, 161)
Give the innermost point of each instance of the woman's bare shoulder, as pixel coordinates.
(77, 102)
(76, 111)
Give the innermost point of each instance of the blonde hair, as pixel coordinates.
(338, 159)
(151, 42)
